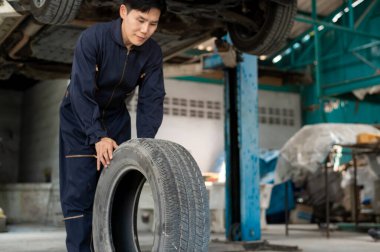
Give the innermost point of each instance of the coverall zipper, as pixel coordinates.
(114, 89)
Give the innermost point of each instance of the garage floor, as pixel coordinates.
(31, 238)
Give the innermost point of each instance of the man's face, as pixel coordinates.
(137, 27)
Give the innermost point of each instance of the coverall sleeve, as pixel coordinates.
(151, 97)
(83, 87)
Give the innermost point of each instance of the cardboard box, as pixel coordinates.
(368, 138)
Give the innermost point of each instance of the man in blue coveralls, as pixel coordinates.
(110, 60)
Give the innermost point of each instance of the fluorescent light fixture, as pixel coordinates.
(337, 16)
(263, 57)
(340, 14)
(306, 38)
(296, 45)
(321, 27)
(287, 51)
(277, 59)
(356, 3)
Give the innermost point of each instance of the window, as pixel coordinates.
(200, 114)
(200, 104)
(166, 100)
(210, 104)
(210, 115)
(216, 105)
(184, 102)
(175, 101)
(284, 112)
(193, 103)
(206, 109)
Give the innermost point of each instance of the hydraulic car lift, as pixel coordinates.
(242, 148)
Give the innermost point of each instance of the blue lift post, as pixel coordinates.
(242, 151)
(248, 127)
(242, 147)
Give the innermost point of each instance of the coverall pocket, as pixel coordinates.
(81, 178)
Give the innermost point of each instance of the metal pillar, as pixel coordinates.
(242, 149)
(317, 52)
(232, 149)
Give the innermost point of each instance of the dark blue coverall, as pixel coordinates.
(103, 74)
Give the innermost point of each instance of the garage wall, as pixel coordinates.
(10, 122)
(40, 127)
(201, 129)
(194, 118)
(189, 105)
(279, 117)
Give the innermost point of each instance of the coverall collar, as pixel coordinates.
(118, 38)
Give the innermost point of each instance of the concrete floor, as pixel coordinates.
(33, 238)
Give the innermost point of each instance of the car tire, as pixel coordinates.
(276, 23)
(54, 11)
(181, 215)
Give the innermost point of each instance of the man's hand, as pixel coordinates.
(104, 149)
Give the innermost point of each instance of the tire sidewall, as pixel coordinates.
(261, 35)
(55, 11)
(119, 167)
(39, 12)
(272, 33)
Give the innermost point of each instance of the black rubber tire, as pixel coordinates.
(272, 34)
(180, 199)
(54, 11)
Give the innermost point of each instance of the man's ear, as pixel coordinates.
(123, 11)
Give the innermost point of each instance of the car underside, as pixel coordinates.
(38, 38)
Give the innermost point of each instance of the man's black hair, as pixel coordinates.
(145, 5)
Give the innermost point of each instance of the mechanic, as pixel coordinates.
(110, 60)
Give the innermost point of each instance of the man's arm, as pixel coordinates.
(83, 87)
(82, 97)
(151, 97)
